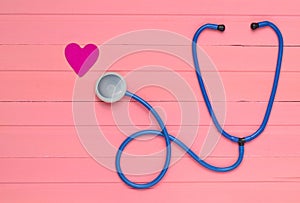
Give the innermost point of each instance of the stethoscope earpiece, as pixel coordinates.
(110, 87)
(254, 26)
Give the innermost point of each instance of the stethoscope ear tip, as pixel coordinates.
(110, 87)
(254, 26)
(221, 27)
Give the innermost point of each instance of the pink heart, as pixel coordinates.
(81, 59)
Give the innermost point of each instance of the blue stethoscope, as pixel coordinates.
(111, 87)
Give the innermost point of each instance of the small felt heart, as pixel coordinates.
(81, 59)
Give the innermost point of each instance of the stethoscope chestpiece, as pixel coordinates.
(110, 87)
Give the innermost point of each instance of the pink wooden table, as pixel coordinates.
(41, 157)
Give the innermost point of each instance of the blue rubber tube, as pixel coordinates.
(274, 87)
(169, 138)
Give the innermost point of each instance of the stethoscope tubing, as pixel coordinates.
(274, 87)
(170, 138)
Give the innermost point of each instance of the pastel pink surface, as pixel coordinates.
(41, 156)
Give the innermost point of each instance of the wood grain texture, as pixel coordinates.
(60, 113)
(49, 29)
(59, 86)
(169, 192)
(74, 170)
(42, 157)
(50, 58)
(51, 141)
(144, 7)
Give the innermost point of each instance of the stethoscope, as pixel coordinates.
(111, 87)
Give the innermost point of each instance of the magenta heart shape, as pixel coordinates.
(81, 59)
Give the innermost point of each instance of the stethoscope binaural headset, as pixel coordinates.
(111, 87)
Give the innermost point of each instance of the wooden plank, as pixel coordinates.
(73, 170)
(51, 58)
(60, 113)
(152, 85)
(146, 7)
(276, 192)
(49, 29)
(63, 141)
